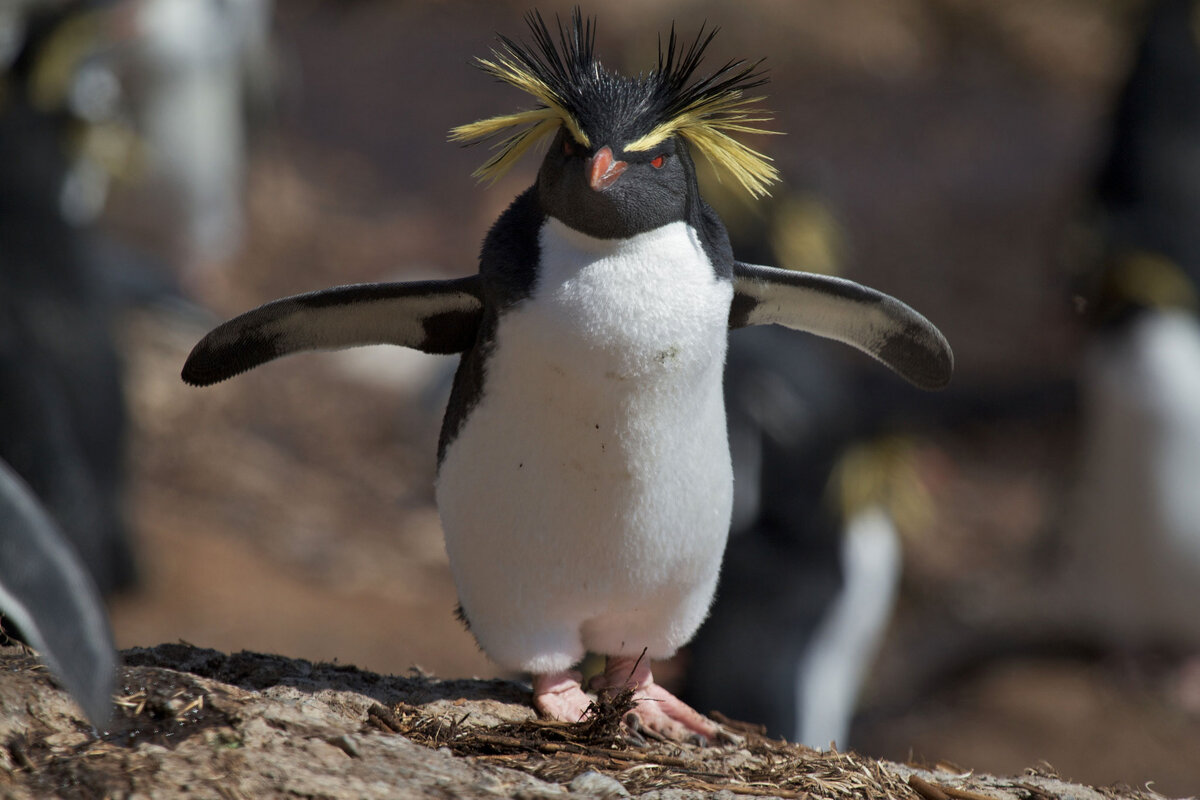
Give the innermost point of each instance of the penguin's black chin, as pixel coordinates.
(604, 197)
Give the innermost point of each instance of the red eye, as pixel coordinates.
(658, 162)
(568, 147)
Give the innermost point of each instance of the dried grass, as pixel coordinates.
(754, 766)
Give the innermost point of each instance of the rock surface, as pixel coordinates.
(197, 723)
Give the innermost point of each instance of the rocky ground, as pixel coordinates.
(197, 723)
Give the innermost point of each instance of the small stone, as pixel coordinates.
(594, 784)
(490, 784)
(346, 744)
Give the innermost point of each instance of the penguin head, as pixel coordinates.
(619, 160)
(608, 192)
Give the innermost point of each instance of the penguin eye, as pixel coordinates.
(568, 146)
(658, 161)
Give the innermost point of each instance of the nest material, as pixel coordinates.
(559, 752)
(751, 765)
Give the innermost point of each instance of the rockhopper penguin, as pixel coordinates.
(1133, 528)
(584, 477)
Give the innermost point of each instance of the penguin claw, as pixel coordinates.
(726, 736)
(559, 696)
(657, 713)
(634, 732)
(663, 716)
(633, 722)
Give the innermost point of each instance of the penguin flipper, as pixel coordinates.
(51, 598)
(877, 324)
(439, 317)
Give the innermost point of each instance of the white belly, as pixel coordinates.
(586, 499)
(1136, 527)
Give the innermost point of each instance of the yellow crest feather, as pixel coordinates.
(574, 91)
(706, 125)
(515, 68)
(512, 147)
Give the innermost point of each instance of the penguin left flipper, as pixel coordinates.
(875, 323)
(51, 599)
(439, 317)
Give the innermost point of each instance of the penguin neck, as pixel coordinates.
(680, 238)
(586, 243)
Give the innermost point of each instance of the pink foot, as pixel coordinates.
(656, 709)
(559, 696)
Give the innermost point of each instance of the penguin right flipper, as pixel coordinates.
(51, 599)
(875, 323)
(439, 317)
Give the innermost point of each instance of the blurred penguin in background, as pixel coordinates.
(92, 91)
(49, 602)
(200, 65)
(62, 417)
(62, 413)
(813, 563)
(1134, 533)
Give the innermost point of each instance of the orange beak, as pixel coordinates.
(602, 170)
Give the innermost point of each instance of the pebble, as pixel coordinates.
(593, 784)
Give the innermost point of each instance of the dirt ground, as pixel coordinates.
(290, 510)
(198, 724)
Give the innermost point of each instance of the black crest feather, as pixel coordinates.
(575, 91)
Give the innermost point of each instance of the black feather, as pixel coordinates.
(608, 105)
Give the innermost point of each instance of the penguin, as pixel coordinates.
(1133, 525)
(48, 595)
(63, 416)
(584, 480)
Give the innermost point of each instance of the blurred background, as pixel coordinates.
(1012, 567)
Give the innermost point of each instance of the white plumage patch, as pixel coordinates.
(1136, 526)
(845, 643)
(586, 499)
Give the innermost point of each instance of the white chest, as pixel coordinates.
(1137, 511)
(597, 453)
(622, 344)
(646, 310)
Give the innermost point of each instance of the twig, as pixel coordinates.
(965, 794)
(645, 758)
(752, 791)
(926, 789)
